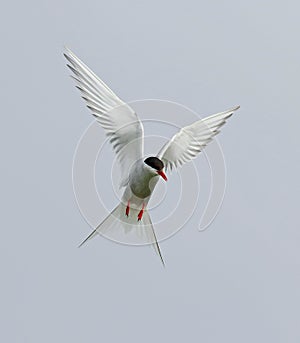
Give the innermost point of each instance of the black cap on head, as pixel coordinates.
(154, 162)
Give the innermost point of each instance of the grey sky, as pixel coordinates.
(236, 282)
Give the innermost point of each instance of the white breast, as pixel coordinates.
(142, 180)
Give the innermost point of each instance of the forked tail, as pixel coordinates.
(127, 229)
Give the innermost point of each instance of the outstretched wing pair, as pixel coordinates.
(126, 135)
(125, 130)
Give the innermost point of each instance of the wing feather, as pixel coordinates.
(120, 122)
(190, 140)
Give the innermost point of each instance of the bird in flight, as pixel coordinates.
(140, 174)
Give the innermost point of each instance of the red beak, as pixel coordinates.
(162, 174)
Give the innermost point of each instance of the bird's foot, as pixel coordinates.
(127, 209)
(140, 215)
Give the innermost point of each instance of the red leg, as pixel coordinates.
(127, 209)
(140, 215)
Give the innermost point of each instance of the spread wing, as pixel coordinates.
(120, 122)
(190, 140)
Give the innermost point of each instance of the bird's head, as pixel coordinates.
(156, 166)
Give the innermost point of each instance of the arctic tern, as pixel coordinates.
(140, 174)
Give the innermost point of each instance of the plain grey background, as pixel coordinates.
(238, 281)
